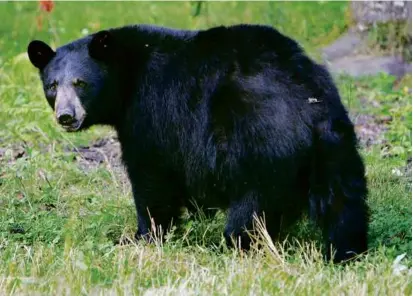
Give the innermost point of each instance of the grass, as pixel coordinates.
(59, 224)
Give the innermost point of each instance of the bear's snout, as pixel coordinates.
(69, 110)
(66, 117)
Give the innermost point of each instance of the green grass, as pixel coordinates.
(59, 224)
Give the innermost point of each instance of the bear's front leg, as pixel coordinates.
(158, 200)
(240, 219)
(153, 218)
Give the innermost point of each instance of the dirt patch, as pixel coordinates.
(105, 151)
(369, 129)
(13, 152)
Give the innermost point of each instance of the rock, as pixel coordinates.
(352, 54)
(344, 46)
(365, 65)
(373, 12)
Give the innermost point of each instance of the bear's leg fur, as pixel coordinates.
(240, 219)
(338, 193)
(159, 201)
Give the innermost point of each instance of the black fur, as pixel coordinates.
(237, 118)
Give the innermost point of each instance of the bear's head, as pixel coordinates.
(79, 80)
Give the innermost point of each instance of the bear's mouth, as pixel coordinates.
(74, 126)
(71, 128)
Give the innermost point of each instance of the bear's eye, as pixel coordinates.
(52, 86)
(79, 83)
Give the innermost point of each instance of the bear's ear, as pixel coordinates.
(40, 53)
(101, 45)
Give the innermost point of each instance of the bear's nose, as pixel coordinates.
(66, 117)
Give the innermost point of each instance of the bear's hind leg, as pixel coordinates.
(344, 218)
(338, 195)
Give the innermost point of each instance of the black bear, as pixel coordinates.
(235, 117)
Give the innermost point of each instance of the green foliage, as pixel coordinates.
(303, 20)
(389, 103)
(391, 214)
(392, 37)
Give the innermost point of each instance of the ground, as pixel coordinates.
(65, 201)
